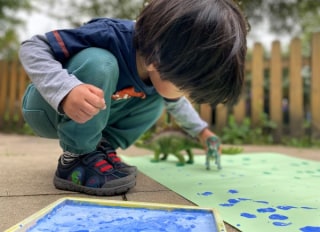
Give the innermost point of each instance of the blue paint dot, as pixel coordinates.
(282, 223)
(232, 191)
(233, 201)
(310, 229)
(226, 205)
(266, 210)
(248, 215)
(278, 217)
(206, 194)
(286, 207)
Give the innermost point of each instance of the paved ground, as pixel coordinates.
(27, 165)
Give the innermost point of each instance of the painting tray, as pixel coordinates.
(83, 214)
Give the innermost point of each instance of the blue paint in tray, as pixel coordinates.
(71, 215)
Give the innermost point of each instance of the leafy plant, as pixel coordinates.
(245, 133)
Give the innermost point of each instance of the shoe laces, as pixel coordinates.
(108, 150)
(98, 160)
(113, 157)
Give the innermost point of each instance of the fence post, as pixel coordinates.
(13, 91)
(296, 89)
(257, 91)
(315, 86)
(276, 93)
(239, 110)
(3, 91)
(23, 80)
(206, 113)
(221, 117)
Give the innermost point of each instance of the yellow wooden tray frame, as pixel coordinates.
(31, 220)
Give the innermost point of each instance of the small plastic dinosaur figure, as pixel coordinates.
(213, 152)
(170, 141)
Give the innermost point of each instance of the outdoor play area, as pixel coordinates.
(265, 179)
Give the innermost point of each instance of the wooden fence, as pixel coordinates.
(13, 81)
(286, 88)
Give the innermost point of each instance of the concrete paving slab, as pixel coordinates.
(164, 197)
(146, 184)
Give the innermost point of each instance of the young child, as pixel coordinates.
(100, 86)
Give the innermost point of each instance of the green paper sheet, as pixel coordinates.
(253, 192)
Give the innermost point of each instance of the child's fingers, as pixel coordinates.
(97, 97)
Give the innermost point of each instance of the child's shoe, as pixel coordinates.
(114, 159)
(92, 174)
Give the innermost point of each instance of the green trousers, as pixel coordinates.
(121, 123)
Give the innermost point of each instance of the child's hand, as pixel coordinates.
(83, 102)
(204, 135)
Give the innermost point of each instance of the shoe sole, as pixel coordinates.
(63, 184)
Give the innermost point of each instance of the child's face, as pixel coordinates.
(165, 88)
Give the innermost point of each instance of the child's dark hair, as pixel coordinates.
(198, 45)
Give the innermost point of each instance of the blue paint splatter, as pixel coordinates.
(266, 210)
(278, 217)
(282, 223)
(285, 207)
(310, 229)
(226, 205)
(82, 217)
(248, 215)
(244, 199)
(233, 201)
(262, 202)
(232, 191)
(305, 207)
(206, 194)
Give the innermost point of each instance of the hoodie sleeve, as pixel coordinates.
(46, 73)
(186, 116)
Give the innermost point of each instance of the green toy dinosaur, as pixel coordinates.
(213, 146)
(170, 141)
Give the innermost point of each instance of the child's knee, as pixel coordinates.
(101, 60)
(94, 66)
(40, 116)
